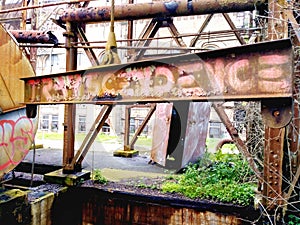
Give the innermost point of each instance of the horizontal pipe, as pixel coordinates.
(16, 9)
(34, 36)
(172, 8)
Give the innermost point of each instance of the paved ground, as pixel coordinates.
(100, 156)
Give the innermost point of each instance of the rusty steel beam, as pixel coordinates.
(273, 162)
(157, 9)
(248, 72)
(34, 36)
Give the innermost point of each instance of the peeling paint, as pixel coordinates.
(171, 7)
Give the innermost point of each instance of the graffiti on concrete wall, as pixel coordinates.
(16, 135)
(249, 75)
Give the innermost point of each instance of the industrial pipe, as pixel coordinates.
(34, 36)
(172, 8)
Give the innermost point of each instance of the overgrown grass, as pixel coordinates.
(219, 177)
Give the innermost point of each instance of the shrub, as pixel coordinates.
(99, 178)
(220, 177)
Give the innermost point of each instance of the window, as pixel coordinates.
(106, 128)
(44, 125)
(81, 123)
(54, 123)
(215, 130)
(132, 125)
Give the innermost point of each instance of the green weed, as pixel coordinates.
(220, 177)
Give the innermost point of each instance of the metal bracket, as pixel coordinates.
(277, 113)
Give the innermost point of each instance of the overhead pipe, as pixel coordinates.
(34, 36)
(172, 8)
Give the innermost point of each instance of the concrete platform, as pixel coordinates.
(126, 153)
(13, 206)
(58, 177)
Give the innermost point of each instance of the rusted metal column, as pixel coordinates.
(129, 31)
(273, 161)
(70, 109)
(277, 22)
(158, 9)
(127, 128)
(277, 117)
(24, 16)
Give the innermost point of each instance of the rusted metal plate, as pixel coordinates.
(161, 129)
(273, 161)
(196, 132)
(277, 113)
(16, 136)
(157, 9)
(263, 70)
(13, 66)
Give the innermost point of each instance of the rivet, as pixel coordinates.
(276, 113)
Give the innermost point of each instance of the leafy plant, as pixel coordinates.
(293, 220)
(99, 178)
(219, 177)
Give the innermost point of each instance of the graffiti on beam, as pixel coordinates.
(16, 139)
(248, 75)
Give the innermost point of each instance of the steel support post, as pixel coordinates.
(273, 161)
(70, 109)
